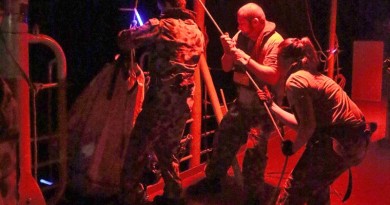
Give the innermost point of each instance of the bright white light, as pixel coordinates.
(138, 17)
(44, 181)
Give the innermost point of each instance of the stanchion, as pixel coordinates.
(385, 142)
(387, 137)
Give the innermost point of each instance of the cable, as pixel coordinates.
(322, 56)
(339, 78)
(274, 193)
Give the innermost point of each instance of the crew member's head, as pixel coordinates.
(164, 4)
(296, 54)
(251, 20)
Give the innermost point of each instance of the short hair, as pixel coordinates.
(174, 3)
(251, 11)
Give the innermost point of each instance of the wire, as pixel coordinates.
(274, 193)
(311, 27)
(339, 78)
(322, 56)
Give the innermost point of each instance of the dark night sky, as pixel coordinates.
(86, 29)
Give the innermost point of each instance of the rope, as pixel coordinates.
(312, 32)
(274, 193)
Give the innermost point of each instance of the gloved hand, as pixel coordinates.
(227, 43)
(287, 147)
(265, 95)
(240, 56)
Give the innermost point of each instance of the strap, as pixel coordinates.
(349, 188)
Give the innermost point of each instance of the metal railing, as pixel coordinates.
(50, 141)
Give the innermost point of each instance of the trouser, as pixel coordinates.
(318, 167)
(239, 125)
(159, 127)
(8, 171)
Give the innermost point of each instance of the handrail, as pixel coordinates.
(62, 110)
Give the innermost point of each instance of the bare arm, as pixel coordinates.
(284, 116)
(302, 106)
(268, 74)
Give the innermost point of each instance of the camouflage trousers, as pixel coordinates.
(319, 166)
(9, 134)
(159, 128)
(239, 126)
(8, 171)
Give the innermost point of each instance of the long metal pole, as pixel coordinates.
(204, 69)
(332, 38)
(62, 109)
(196, 126)
(211, 17)
(14, 30)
